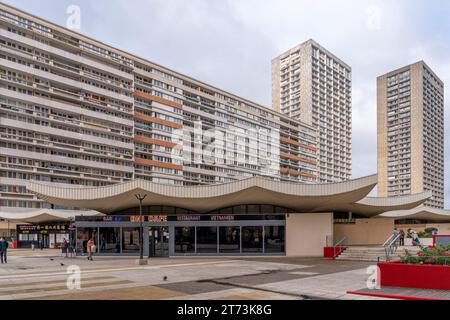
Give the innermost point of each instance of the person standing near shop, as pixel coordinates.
(3, 250)
(90, 249)
(66, 247)
(33, 244)
(41, 243)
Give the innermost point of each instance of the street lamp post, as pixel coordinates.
(141, 238)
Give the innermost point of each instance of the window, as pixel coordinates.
(207, 240)
(252, 239)
(229, 239)
(185, 239)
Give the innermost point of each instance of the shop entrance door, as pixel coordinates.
(46, 241)
(158, 241)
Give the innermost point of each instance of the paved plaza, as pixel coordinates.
(44, 275)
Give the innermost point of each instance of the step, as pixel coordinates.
(373, 254)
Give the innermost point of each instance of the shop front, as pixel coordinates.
(50, 235)
(184, 235)
(254, 216)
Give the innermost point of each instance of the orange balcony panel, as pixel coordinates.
(150, 97)
(296, 143)
(146, 162)
(143, 139)
(295, 158)
(297, 173)
(143, 117)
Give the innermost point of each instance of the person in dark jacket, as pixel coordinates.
(3, 250)
(66, 247)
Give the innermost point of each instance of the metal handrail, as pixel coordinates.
(337, 244)
(392, 246)
(388, 239)
(340, 241)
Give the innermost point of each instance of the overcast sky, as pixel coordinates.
(230, 43)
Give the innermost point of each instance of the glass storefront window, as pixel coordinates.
(206, 239)
(23, 237)
(130, 240)
(229, 239)
(185, 239)
(274, 239)
(59, 239)
(32, 237)
(109, 240)
(83, 236)
(252, 239)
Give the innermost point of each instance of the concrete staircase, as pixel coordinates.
(356, 253)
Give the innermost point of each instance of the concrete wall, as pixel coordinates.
(373, 231)
(306, 234)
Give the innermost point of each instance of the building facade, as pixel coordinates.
(78, 112)
(410, 104)
(253, 216)
(311, 84)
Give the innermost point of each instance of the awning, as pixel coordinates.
(303, 198)
(420, 213)
(42, 215)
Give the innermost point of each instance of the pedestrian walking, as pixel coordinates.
(41, 243)
(402, 238)
(33, 244)
(90, 249)
(66, 247)
(3, 250)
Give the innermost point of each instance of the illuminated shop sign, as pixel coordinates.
(137, 218)
(222, 218)
(32, 228)
(179, 218)
(157, 218)
(188, 218)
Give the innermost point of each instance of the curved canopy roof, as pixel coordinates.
(345, 196)
(371, 206)
(42, 215)
(420, 213)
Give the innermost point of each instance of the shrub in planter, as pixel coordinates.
(439, 255)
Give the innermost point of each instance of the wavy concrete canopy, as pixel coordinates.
(42, 215)
(256, 190)
(371, 206)
(420, 213)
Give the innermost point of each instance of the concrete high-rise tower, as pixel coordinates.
(311, 84)
(411, 133)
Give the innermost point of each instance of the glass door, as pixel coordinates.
(158, 241)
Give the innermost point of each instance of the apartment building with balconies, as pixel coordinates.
(76, 111)
(410, 103)
(311, 84)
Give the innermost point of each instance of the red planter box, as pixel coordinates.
(396, 274)
(331, 252)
